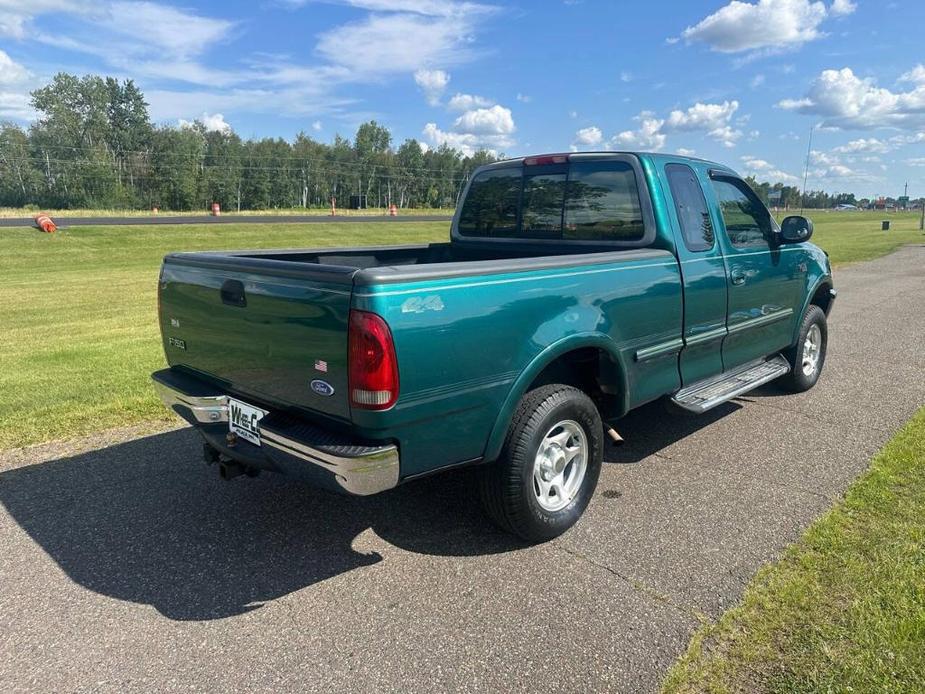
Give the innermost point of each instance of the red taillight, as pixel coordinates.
(373, 368)
(546, 160)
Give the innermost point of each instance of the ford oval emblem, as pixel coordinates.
(322, 388)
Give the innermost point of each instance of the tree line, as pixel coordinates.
(93, 145)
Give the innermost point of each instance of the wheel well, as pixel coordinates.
(589, 369)
(822, 298)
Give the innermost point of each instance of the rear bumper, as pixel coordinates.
(289, 445)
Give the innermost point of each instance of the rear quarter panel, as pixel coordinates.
(467, 346)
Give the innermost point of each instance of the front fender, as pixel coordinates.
(536, 366)
(823, 281)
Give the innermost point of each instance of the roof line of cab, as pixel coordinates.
(563, 157)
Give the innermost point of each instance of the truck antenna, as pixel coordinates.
(809, 151)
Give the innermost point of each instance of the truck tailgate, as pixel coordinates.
(263, 329)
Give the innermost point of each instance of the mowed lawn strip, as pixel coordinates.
(844, 609)
(850, 237)
(79, 315)
(79, 307)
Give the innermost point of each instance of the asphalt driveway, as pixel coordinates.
(125, 564)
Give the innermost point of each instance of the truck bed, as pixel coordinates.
(377, 264)
(263, 326)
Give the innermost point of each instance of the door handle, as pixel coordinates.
(737, 275)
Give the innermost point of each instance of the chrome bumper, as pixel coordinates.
(366, 470)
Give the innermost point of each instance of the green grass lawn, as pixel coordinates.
(79, 315)
(78, 308)
(17, 212)
(853, 236)
(844, 608)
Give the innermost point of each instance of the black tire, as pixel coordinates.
(507, 485)
(798, 381)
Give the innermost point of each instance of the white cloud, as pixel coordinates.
(390, 43)
(214, 122)
(626, 76)
(15, 105)
(467, 102)
(848, 101)
(871, 144)
(177, 32)
(702, 116)
(481, 128)
(756, 81)
(523, 98)
(829, 165)
(714, 119)
(589, 137)
(726, 135)
(425, 7)
(765, 170)
(316, 126)
(836, 171)
(767, 24)
(16, 15)
(842, 7)
(916, 161)
(161, 45)
(433, 83)
(916, 75)
(685, 152)
(496, 120)
(648, 135)
(12, 72)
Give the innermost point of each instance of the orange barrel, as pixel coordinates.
(43, 222)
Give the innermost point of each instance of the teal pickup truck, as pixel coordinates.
(573, 289)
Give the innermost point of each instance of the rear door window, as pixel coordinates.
(689, 203)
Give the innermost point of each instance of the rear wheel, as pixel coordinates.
(807, 356)
(549, 466)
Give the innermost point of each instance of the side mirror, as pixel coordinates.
(795, 229)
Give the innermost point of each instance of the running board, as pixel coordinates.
(713, 391)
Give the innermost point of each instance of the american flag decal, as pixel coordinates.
(321, 366)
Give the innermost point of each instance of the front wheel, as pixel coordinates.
(807, 356)
(549, 466)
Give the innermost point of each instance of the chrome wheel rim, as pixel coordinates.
(560, 465)
(812, 348)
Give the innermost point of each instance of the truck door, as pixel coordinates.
(761, 282)
(703, 272)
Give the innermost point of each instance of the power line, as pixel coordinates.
(242, 155)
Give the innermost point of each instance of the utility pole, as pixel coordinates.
(809, 151)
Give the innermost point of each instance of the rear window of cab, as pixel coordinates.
(583, 201)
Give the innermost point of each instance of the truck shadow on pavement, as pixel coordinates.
(145, 521)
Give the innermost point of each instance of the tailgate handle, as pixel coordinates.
(233, 293)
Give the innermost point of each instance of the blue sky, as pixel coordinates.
(740, 82)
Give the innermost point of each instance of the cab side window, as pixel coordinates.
(689, 203)
(748, 222)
